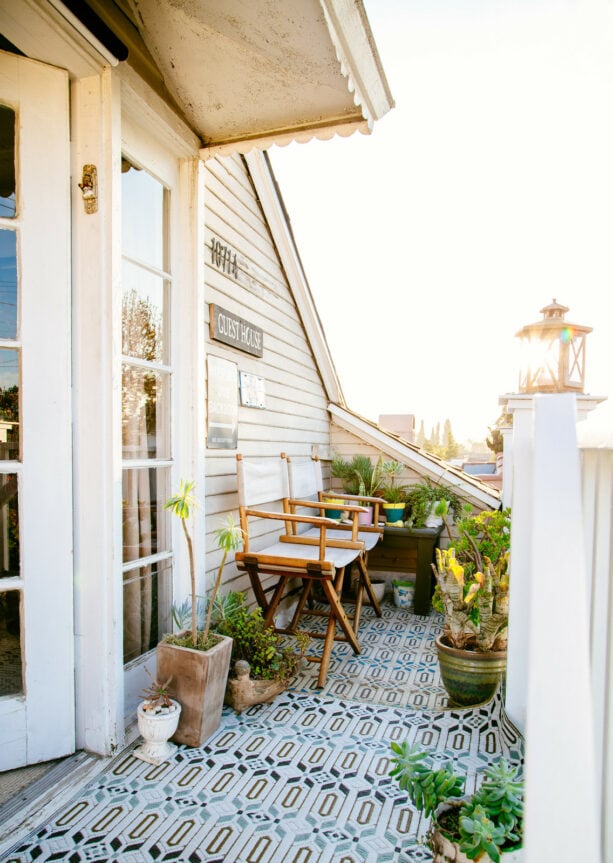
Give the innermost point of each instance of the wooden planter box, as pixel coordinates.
(407, 550)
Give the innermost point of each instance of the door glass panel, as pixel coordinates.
(143, 217)
(10, 643)
(145, 491)
(9, 526)
(145, 410)
(142, 314)
(144, 404)
(9, 404)
(7, 162)
(146, 604)
(8, 284)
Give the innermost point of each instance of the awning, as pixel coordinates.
(249, 74)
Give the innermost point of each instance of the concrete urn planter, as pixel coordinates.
(243, 691)
(198, 680)
(156, 728)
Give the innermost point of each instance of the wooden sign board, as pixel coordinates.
(232, 330)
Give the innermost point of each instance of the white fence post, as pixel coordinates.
(560, 760)
(598, 522)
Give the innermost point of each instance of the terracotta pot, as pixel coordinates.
(469, 676)
(447, 851)
(198, 680)
(156, 729)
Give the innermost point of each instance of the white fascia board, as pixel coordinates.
(357, 53)
(261, 174)
(439, 472)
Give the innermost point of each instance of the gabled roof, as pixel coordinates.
(424, 463)
(279, 225)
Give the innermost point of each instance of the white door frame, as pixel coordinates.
(40, 724)
(110, 113)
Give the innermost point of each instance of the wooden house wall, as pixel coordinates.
(295, 417)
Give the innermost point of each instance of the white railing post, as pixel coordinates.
(598, 526)
(560, 762)
(517, 485)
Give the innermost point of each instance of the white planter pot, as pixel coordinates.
(156, 729)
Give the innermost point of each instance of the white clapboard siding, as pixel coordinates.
(295, 418)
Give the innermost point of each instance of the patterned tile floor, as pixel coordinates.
(302, 780)
(397, 667)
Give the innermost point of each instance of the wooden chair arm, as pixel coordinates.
(316, 520)
(343, 496)
(319, 504)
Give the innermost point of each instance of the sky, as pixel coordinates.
(484, 194)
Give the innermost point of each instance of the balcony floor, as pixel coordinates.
(302, 780)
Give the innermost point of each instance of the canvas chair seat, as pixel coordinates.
(291, 556)
(305, 485)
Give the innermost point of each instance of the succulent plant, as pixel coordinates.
(489, 821)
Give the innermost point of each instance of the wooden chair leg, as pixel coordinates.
(366, 580)
(337, 613)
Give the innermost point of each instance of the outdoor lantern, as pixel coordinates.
(553, 353)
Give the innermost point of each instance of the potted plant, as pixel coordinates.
(157, 716)
(486, 827)
(422, 499)
(361, 479)
(198, 661)
(261, 666)
(394, 495)
(473, 594)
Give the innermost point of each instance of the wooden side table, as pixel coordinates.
(406, 550)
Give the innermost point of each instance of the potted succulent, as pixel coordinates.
(261, 666)
(198, 661)
(486, 827)
(472, 592)
(361, 480)
(394, 495)
(157, 716)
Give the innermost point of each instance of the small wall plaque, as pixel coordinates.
(222, 407)
(253, 392)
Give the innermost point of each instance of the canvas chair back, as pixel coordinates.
(261, 481)
(304, 478)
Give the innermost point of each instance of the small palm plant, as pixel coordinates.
(229, 538)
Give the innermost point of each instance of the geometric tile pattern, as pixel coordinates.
(397, 666)
(302, 780)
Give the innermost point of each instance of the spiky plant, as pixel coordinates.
(229, 538)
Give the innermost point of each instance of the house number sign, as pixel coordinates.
(232, 330)
(223, 258)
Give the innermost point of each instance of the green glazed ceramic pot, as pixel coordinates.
(469, 676)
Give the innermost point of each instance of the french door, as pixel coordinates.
(36, 571)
